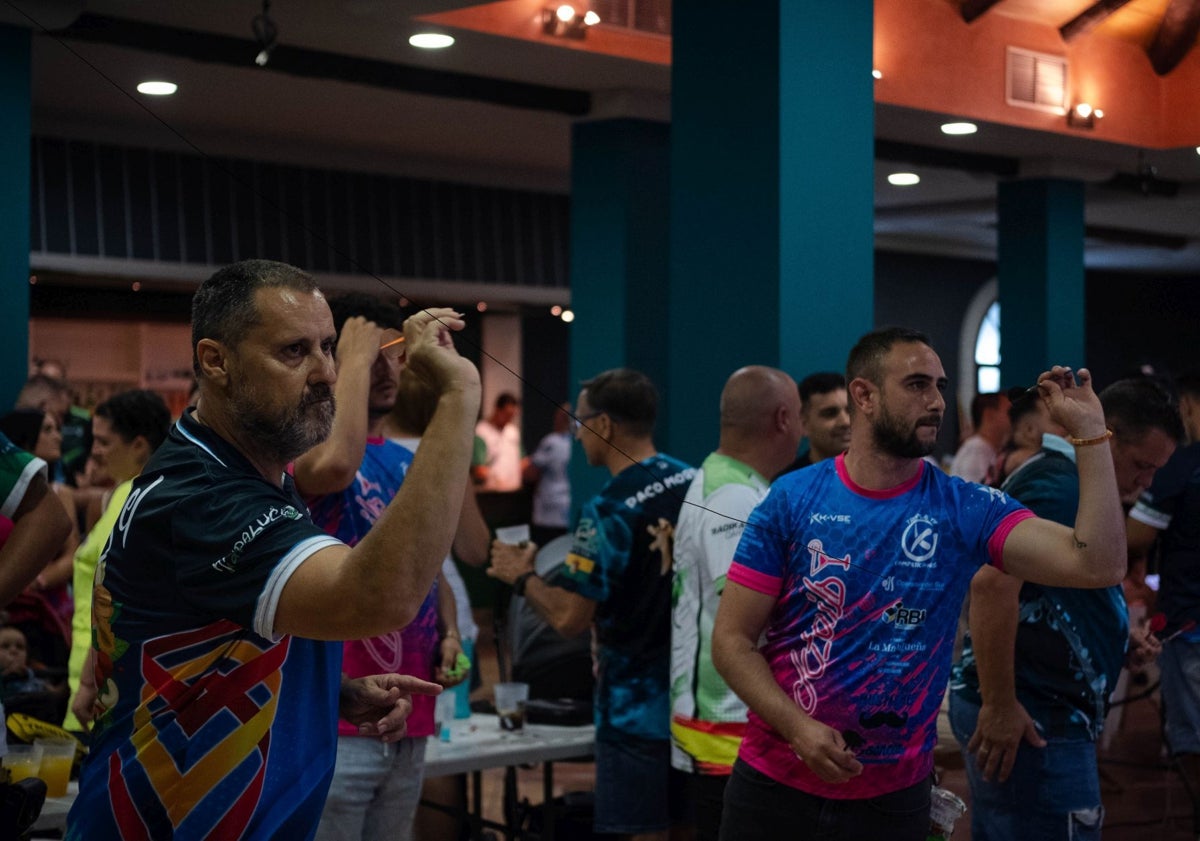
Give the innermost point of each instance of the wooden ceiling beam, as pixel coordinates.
(1176, 35)
(1089, 18)
(974, 9)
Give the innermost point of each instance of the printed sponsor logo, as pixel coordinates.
(586, 536)
(828, 518)
(655, 488)
(920, 539)
(889, 583)
(819, 560)
(810, 661)
(904, 617)
(229, 562)
(994, 493)
(732, 525)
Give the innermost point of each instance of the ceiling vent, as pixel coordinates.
(1036, 80)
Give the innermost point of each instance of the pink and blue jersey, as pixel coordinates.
(869, 587)
(348, 515)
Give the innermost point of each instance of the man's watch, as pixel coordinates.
(518, 585)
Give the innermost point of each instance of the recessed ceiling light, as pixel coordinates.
(157, 88)
(1198, 150)
(567, 316)
(431, 40)
(904, 179)
(959, 128)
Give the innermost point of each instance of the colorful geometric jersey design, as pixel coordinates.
(621, 559)
(708, 719)
(869, 586)
(210, 725)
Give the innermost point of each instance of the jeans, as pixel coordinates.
(758, 807)
(1053, 792)
(375, 791)
(1180, 665)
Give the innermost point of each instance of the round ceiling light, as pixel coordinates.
(431, 40)
(904, 179)
(157, 88)
(959, 128)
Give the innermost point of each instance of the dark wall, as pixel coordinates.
(1140, 320)
(930, 294)
(545, 361)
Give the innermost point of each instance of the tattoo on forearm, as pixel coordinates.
(1079, 544)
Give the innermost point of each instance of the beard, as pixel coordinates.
(897, 439)
(284, 434)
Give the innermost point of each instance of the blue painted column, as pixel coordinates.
(619, 260)
(772, 194)
(15, 101)
(1041, 277)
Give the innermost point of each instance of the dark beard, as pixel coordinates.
(282, 437)
(895, 439)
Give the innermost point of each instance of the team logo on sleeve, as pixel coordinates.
(920, 539)
(228, 563)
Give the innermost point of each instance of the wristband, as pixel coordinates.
(452, 635)
(1087, 442)
(520, 581)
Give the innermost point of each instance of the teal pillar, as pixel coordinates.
(772, 197)
(14, 202)
(1041, 277)
(619, 262)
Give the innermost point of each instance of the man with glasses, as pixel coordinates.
(617, 579)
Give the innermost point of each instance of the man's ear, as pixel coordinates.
(862, 393)
(141, 446)
(214, 361)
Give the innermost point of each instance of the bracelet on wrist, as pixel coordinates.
(521, 581)
(453, 635)
(1087, 442)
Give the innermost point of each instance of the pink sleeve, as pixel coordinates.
(755, 580)
(1000, 535)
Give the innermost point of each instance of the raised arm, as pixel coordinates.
(330, 466)
(473, 537)
(1003, 722)
(379, 585)
(740, 620)
(1093, 553)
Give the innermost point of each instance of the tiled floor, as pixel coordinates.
(1144, 798)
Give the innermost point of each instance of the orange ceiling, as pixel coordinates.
(1108, 66)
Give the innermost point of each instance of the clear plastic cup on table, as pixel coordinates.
(510, 705)
(22, 761)
(58, 755)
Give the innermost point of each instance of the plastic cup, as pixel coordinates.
(945, 808)
(510, 705)
(58, 755)
(514, 535)
(23, 761)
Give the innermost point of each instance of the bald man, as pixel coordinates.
(760, 429)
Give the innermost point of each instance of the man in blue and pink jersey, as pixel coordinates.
(347, 481)
(852, 573)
